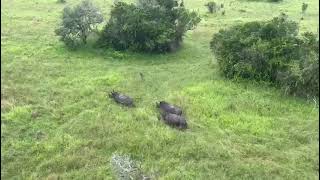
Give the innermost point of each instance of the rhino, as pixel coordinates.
(168, 108)
(175, 120)
(122, 99)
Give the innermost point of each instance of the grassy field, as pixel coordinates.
(57, 121)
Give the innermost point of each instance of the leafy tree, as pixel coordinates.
(148, 25)
(78, 23)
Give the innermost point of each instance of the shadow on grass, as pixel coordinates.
(186, 54)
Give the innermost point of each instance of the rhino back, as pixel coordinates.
(170, 108)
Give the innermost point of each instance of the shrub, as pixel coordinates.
(212, 7)
(149, 26)
(303, 77)
(61, 1)
(266, 0)
(270, 51)
(304, 7)
(78, 23)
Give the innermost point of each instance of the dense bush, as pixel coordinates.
(212, 7)
(303, 76)
(274, 0)
(304, 7)
(61, 1)
(78, 23)
(270, 51)
(267, 0)
(149, 26)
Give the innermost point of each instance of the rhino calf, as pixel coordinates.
(121, 99)
(175, 120)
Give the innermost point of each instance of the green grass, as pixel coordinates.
(57, 122)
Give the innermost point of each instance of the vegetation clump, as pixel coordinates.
(304, 8)
(267, 0)
(78, 23)
(148, 26)
(61, 1)
(212, 7)
(270, 51)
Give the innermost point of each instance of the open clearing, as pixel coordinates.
(57, 121)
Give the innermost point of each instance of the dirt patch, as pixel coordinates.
(5, 104)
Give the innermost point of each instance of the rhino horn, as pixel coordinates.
(112, 94)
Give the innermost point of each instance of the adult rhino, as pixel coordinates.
(168, 108)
